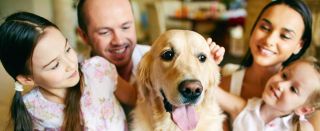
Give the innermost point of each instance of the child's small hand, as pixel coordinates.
(217, 52)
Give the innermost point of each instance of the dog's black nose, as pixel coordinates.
(190, 89)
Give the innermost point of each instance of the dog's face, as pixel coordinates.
(179, 67)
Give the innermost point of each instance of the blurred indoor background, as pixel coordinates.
(228, 22)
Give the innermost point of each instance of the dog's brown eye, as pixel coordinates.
(167, 55)
(202, 58)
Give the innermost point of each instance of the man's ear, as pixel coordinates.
(299, 47)
(304, 110)
(83, 35)
(25, 80)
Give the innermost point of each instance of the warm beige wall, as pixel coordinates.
(6, 94)
(40, 7)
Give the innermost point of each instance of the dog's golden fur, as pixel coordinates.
(156, 74)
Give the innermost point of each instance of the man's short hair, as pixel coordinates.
(81, 16)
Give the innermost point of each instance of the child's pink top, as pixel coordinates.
(100, 109)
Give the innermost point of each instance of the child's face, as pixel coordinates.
(291, 87)
(54, 62)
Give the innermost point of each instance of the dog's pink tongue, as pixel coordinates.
(185, 117)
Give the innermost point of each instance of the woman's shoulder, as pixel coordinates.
(232, 77)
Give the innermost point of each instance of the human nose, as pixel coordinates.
(116, 38)
(271, 39)
(282, 85)
(69, 63)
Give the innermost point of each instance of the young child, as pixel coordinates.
(35, 53)
(288, 96)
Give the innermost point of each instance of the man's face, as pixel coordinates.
(110, 29)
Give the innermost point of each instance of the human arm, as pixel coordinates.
(230, 103)
(101, 77)
(126, 93)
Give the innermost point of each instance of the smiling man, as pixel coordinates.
(108, 27)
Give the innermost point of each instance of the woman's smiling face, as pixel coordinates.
(276, 36)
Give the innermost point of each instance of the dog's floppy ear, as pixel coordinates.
(144, 80)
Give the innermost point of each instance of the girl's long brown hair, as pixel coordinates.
(73, 120)
(19, 35)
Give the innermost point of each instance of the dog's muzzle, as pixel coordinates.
(185, 117)
(190, 90)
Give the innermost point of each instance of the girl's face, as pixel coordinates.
(276, 36)
(54, 62)
(291, 87)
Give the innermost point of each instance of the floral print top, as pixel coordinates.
(100, 109)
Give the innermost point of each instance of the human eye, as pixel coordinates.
(55, 66)
(294, 90)
(284, 75)
(264, 27)
(68, 49)
(104, 32)
(285, 36)
(125, 27)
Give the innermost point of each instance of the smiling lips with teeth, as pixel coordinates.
(118, 49)
(185, 117)
(119, 52)
(276, 92)
(266, 51)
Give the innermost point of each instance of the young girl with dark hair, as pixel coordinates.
(35, 53)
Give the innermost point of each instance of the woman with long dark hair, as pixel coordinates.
(281, 34)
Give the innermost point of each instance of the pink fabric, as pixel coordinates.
(100, 109)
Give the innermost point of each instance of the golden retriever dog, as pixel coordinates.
(176, 83)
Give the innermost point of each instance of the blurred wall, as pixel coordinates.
(40, 7)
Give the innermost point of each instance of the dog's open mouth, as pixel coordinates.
(185, 117)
